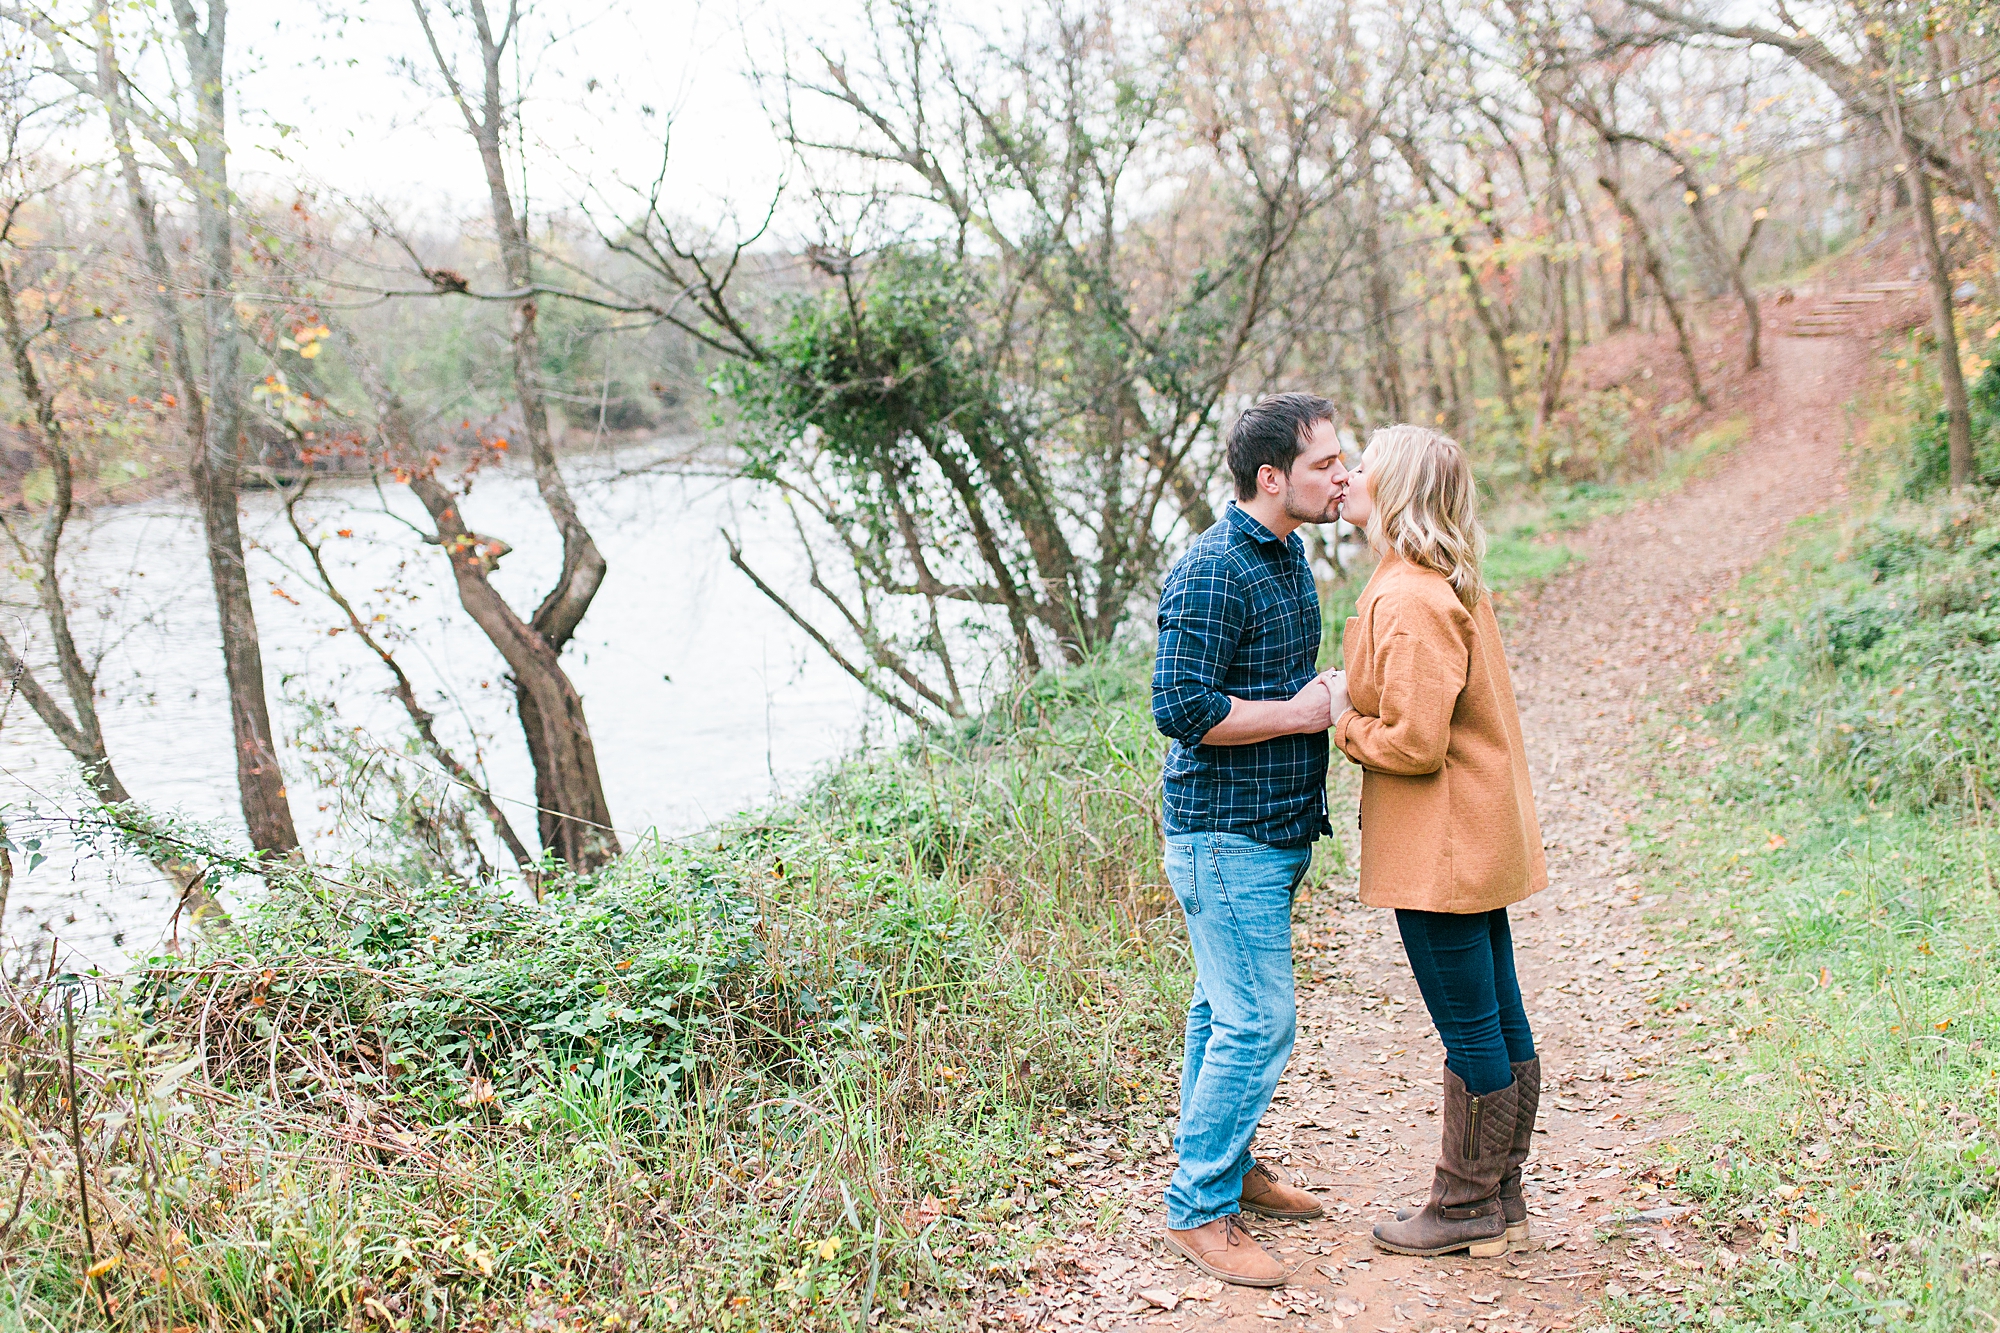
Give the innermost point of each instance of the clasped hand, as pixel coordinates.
(1322, 700)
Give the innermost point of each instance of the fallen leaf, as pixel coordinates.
(1487, 1299)
(1348, 1306)
(1615, 1291)
(1161, 1297)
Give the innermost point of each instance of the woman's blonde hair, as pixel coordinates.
(1426, 506)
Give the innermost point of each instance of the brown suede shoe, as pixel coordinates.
(1528, 1104)
(1268, 1196)
(1224, 1248)
(1463, 1212)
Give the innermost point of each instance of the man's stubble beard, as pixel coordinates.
(1293, 511)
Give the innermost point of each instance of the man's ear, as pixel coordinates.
(1269, 480)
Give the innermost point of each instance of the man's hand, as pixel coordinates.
(1315, 705)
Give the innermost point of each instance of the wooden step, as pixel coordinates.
(1820, 331)
(1825, 321)
(1892, 286)
(1858, 298)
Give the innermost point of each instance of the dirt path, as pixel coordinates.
(1355, 1117)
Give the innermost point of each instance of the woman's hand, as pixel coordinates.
(1336, 684)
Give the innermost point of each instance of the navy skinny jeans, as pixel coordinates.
(1465, 969)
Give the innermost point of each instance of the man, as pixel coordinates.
(1234, 685)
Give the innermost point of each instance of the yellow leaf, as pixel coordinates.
(1689, 198)
(309, 351)
(828, 1247)
(103, 1266)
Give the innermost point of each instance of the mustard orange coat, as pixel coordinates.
(1447, 810)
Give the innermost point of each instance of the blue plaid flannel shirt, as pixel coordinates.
(1239, 615)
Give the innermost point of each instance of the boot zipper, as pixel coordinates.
(1472, 1130)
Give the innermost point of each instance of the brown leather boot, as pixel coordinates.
(1513, 1200)
(1464, 1208)
(1224, 1248)
(1268, 1196)
(1528, 1103)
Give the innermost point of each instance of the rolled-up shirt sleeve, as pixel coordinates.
(1202, 615)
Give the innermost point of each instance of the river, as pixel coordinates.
(703, 698)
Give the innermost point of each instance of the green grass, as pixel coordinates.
(1826, 846)
(828, 1058)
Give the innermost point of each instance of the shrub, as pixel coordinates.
(1886, 682)
(1930, 449)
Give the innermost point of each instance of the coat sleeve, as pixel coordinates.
(1202, 618)
(1421, 665)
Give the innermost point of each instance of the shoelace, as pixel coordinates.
(1232, 1228)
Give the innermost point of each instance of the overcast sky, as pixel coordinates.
(360, 126)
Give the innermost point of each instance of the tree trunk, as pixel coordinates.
(1958, 411)
(1381, 312)
(1556, 350)
(1731, 265)
(1657, 272)
(574, 819)
(216, 469)
(573, 816)
(1555, 283)
(82, 735)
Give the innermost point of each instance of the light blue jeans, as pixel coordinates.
(1237, 895)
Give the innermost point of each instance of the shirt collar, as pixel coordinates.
(1249, 526)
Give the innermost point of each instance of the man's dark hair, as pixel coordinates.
(1271, 433)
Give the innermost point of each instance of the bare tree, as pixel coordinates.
(575, 819)
(76, 727)
(1111, 238)
(405, 694)
(192, 144)
(1656, 270)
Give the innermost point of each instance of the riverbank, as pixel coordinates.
(718, 1088)
(703, 698)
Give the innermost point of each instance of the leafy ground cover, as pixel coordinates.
(1825, 835)
(824, 1060)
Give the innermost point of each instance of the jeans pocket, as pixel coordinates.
(1180, 864)
(1256, 884)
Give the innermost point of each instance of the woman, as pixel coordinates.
(1448, 831)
